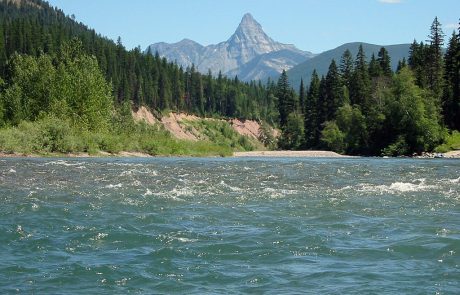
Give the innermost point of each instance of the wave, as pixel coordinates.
(64, 163)
(119, 185)
(232, 188)
(456, 180)
(395, 187)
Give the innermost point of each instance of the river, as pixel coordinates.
(229, 226)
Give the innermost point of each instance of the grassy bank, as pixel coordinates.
(51, 135)
(222, 132)
(452, 142)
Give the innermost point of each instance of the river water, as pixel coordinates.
(229, 226)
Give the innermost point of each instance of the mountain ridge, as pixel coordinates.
(248, 42)
(321, 62)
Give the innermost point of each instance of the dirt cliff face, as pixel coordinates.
(176, 124)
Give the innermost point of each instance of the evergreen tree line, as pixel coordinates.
(35, 28)
(365, 108)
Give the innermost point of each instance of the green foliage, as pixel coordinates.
(384, 61)
(311, 116)
(286, 99)
(413, 116)
(54, 96)
(83, 87)
(332, 137)
(452, 142)
(67, 86)
(451, 93)
(47, 135)
(221, 133)
(34, 28)
(51, 135)
(292, 135)
(352, 123)
(266, 136)
(397, 148)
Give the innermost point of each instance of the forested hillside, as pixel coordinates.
(365, 108)
(64, 88)
(33, 27)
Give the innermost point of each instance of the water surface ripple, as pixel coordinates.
(219, 226)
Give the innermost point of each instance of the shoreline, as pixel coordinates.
(291, 154)
(101, 154)
(255, 154)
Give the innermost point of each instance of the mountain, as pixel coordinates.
(249, 53)
(322, 61)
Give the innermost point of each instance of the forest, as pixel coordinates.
(53, 67)
(143, 79)
(364, 108)
(65, 88)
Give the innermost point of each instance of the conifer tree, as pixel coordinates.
(451, 93)
(360, 86)
(346, 68)
(311, 112)
(286, 100)
(165, 92)
(418, 59)
(384, 61)
(435, 61)
(401, 64)
(322, 111)
(209, 94)
(221, 105)
(374, 67)
(2, 52)
(333, 92)
(302, 95)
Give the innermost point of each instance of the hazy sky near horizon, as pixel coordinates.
(313, 25)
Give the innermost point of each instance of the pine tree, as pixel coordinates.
(2, 52)
(311, 112)
(346, 68)
(418, 60)
(322, 111)
(285, 96)
(451, 93)
(435, 61)
(302, 95)
(165, 92)
(384, 61)
(360, 86)
(220, 96)
(209, 94)
(333, 91)
(401, 64)
(375, 70)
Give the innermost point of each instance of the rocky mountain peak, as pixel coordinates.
(249, 30)
(248, 21)
(249, 53)
(250, 40)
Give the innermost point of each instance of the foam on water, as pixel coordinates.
(118, 185)
(64, 163)
(197, 226)
(395, 187)
(232, 188)
(455, 180)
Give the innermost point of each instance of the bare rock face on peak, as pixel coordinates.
(249, 53)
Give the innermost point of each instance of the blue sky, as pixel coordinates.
(313, 25)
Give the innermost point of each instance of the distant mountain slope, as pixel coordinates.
(267, 65)
(249, 53)
(322, 61)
